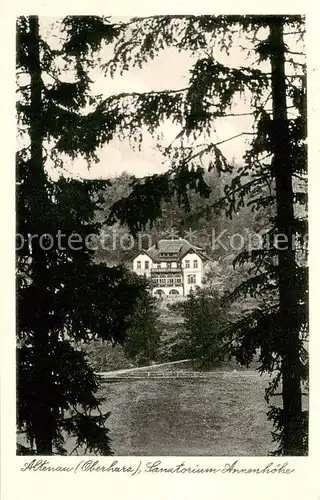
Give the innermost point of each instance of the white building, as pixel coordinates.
(175, 267)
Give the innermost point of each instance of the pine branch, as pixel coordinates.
(295, 53)
(143, 94)
(302, 32)
(74, 449)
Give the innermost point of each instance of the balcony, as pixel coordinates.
(161, 270)
(168, 279)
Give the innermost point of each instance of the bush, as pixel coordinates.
(203, 317)
(143, 340)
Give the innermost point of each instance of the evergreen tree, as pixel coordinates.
(143, 337)
(62, 297)
(273, 84)
(203, 318)
(276, 158)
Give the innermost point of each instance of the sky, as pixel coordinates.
(170, 69)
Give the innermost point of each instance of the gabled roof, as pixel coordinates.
(172, 250)
(140, 253)
(197, 251)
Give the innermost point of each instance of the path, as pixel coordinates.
(153, 372)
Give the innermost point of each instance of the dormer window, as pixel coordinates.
(195, 264)
(187, 264)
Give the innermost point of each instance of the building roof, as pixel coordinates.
(172, 250)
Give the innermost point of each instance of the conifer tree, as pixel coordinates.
(143, 337)
(271, 176)
(62, 297)
(274, 162)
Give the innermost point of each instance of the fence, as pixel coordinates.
(151, 374)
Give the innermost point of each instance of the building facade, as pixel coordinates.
(175, 267)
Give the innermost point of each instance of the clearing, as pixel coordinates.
(223, 415)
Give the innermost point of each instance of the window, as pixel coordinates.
(177, 280)
(187, 263)
(139, 264)
(146, 264)
(162, 281)
(191, 279)
(168, 265)
(195, 264)
(158, 265)
(170, 281)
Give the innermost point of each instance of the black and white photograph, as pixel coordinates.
(162, 236)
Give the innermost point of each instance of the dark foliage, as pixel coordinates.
(62, 296)
(275, 162)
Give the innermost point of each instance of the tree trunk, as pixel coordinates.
(290, 353)
(42, 418)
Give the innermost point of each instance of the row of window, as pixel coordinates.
(195, 264)
(167, 280)
(146, 264)
(168, 264)
(173, 280)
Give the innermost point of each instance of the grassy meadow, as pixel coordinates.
(223, 415)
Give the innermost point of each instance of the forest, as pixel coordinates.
(253, 308)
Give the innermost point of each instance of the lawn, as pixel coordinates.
(223, 415)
